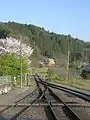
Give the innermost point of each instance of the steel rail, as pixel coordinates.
(24, 109)
(28, 95)
(14, 105)
(71, 113)
(82, 95)
(41, 94)
(54, 116)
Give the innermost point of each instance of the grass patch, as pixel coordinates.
(74, 82)
(52, 77)
(35, 70)
(77, 83)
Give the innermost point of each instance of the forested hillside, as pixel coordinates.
(44, 42)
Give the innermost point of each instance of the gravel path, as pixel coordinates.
(15, 94)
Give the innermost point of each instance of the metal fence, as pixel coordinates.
(5, 80)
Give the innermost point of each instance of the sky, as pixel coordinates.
(59, 16)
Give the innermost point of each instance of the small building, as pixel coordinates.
(48, 62)
(51, 62)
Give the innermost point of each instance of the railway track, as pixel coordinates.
(77, 93)
(25, 98)
(47, 102)
(73, 111)
(14, 110)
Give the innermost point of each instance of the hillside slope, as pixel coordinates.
(44, 42)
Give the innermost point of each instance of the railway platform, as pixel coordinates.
(15, 94)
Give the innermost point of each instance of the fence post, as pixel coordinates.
(15, 82)
(25, 78)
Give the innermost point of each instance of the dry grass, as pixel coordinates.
(77, 83)
(38, 70)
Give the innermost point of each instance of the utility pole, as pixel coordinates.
(21, 61)
(68, 59)
(68, 64)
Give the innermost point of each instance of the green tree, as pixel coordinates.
(10, 64)
(4, 32)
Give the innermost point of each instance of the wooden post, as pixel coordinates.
(68, 65)
(25, 79)
(21, 61)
